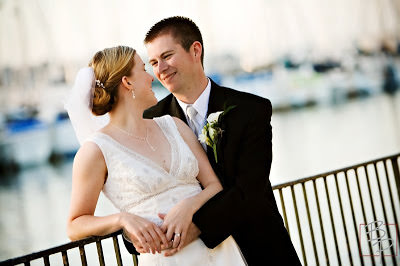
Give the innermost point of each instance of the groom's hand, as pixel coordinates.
(192, 234)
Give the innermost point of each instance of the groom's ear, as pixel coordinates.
(197, 50)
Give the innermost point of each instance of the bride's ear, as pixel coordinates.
(126, 83)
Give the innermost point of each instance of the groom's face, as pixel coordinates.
(172, 65)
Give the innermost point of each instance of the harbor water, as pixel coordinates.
(34, 202)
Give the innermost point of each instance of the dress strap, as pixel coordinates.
(167, 124)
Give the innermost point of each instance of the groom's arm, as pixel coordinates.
(230, 208)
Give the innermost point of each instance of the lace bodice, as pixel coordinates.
(138, 185)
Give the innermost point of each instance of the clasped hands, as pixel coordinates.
(176, 231)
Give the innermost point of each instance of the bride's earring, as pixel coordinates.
(133, 93)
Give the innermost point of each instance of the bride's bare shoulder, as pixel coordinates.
(89, 152)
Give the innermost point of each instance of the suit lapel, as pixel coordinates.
(216, 100)
(176, 110)
(215, 104)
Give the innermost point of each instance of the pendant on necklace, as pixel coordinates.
(150, 146)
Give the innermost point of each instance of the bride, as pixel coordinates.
(144, 166)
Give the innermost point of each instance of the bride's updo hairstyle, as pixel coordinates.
(110, 65)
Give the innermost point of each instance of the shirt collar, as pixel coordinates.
(201, 104)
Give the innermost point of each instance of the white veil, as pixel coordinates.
(79, 106)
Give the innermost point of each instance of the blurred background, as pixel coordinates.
(330, 68)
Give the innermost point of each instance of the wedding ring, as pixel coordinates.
(177, 234)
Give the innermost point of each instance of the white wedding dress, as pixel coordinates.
(138, 185)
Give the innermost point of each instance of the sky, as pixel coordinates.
(257, 32)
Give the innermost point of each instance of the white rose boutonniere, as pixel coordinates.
(212, 132)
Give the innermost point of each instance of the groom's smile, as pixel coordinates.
(168, 77)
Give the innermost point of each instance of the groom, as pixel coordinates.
(246, 208)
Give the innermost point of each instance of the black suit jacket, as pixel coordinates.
(246, 208)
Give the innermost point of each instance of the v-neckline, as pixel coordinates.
(145, 158)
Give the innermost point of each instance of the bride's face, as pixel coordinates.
(142, 83)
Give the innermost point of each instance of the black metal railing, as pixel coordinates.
(345, 217)
(328, 217)
(61, 257)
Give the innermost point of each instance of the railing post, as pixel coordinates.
(284, 211)
(135, 260)
(298, 225)
(353, 214)
(335, 178)
(46, 260)
(117, 251)
(310, 223)
(332, 221)
(396, 172)
(83, 255)
(363, 211)
(100, 253)
(321, 225)
(65, 258)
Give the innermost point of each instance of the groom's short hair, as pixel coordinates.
(183, 29)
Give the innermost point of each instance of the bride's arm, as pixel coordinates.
(180, 216)
(88, 177)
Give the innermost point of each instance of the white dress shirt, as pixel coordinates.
(201, 106)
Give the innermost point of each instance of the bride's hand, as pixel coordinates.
(177, 221)
(144, 234)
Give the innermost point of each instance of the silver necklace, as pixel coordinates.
(136, 137)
